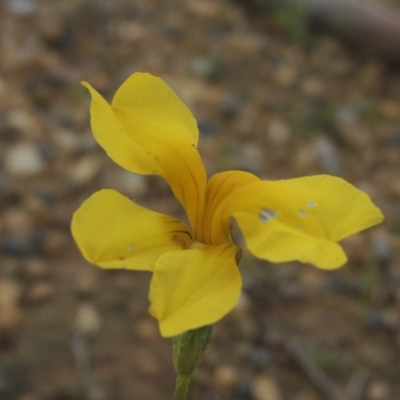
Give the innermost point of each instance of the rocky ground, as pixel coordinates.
(277, 104)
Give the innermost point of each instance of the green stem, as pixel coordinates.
(187, 352)
(181, 388)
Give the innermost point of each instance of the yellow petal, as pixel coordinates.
(148, 130)
(298, 219)
(194, 288)
(111, 231)
(219, 186)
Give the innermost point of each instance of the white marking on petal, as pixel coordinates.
(267, 214)
(302, 213)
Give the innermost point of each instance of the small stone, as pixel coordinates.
(304, 395)
(87, 282)
(357, 249)
(305, 157)
(10, 293)
(24, 160)
(242, 43)
(22, 244)
(28, 397)
(16, 221)
(327, 154)
(21, 7)
(313, 87)
(203, 66)
(356, 135)
(150, 365)
(370, 76)
(205, 8)
(230, 106)
(147, 330)
(378, 390)
(134, 184)
(66, 140)
(346, 115)
(40, 292)
(265, 388)
(55, 241)
(242, 306)
(391, 318)
(390, 109)
(132, 31)
(286, 76)
(10, 321)
(84, 170)
(278, 131)
(252, 157)
(24, 123)
(225, 376)
(36, 268)
(87, 320)
(374, 320)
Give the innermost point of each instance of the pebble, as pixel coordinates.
(230, 106)
(327, 155)
(11, 316)
(86, 282)
(40, 292)
(356, 135)
(304, 395)
(87, 320)
(22, 245)
(55, 241)
(22, 7)
(390, 109)
(225, 376)
(132, 31)
(134, 184)
(150, 365)
(286, 76)
(391, 318)
(382, 248)
(260, 358)
(10, 293)
(36, 269)
(265, 388)
(24, 160)
(245, 43)
(278, 131)
(346, 115)
(313, 87)
(252, 158)
(243, 391)
(24, 123)
(378, 390)
(243, 306)
(16, 221)
(11, 320)
(357, 249)
(203, 66)
(205, 8)
(84, 170)
(66, 140)
(305, 158)
(147, 330)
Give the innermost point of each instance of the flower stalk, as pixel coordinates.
(187, 352)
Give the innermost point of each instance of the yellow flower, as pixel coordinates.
(196, 281)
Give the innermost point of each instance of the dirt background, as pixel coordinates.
(270, 98)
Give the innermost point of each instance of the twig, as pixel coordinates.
(314, 374)
(356, 385)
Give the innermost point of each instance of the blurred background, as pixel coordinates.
(281, 89)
